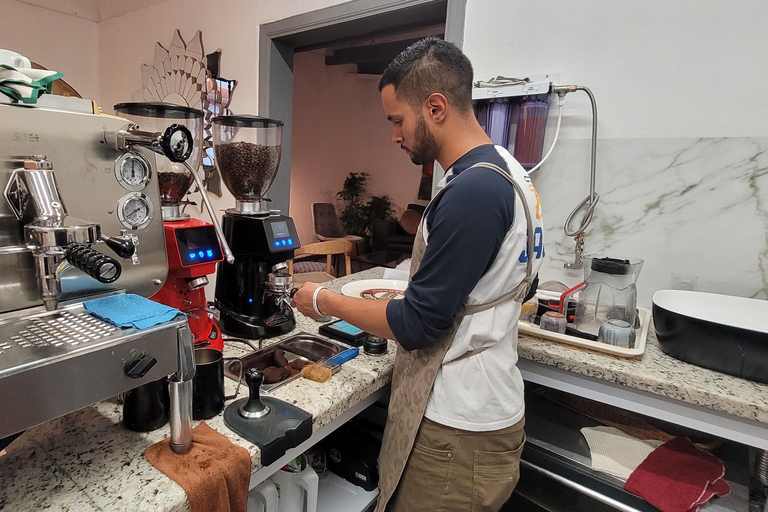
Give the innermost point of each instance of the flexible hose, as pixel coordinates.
(590, 202)
(557, 134)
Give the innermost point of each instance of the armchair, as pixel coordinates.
(390, 235)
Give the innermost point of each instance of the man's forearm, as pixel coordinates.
(368, 315)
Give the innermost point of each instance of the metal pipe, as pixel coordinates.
(181, 416)
(181, 393)
(224, 246)
(590, 202)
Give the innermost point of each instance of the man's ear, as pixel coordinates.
(437, 107)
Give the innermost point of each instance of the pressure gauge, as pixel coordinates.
(135, 210)
(132, 171)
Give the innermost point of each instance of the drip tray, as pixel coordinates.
(303, 346)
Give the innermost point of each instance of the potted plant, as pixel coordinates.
(356, 215)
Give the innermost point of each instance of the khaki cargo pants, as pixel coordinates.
(453, 470)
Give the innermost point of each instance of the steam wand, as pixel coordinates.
(225, 247)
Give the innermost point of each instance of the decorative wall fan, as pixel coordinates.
(183, 74)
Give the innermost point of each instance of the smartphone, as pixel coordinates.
(344, 331)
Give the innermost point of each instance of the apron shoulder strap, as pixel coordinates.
(521, 290)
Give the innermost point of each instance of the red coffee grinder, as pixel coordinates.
(192, 246)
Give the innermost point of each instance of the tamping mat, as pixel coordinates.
(286, 426)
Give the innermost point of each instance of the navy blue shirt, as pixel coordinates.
(467, 224)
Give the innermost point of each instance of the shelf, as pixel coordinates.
(556, 458)
(335, 494)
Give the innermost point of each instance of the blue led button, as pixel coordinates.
(209, 252)
(283, 242)
(192, 255)
(277, 243)
(201, 254)
(290, 241)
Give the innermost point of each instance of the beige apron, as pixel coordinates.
(415, 371)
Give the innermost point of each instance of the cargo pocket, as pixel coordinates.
(495, 475)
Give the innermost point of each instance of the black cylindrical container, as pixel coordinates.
(375, 346)
(208, 384)
(147, 407)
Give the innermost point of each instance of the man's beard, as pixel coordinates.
(425, 148)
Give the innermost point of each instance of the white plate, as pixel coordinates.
(375, 289)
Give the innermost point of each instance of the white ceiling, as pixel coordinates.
(93, 10)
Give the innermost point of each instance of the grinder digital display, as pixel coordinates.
(198, 245)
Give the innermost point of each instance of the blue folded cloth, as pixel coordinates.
(130, 310)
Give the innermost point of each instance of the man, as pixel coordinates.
(455, 428)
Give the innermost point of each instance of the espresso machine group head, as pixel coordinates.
(253, 294)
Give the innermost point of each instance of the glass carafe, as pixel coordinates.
(609, 292)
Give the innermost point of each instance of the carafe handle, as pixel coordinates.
(566, 297)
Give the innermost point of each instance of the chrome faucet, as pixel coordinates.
(578, 262)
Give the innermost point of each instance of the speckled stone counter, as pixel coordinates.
(657, 373)
(86, 461)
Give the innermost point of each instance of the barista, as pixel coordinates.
(456, 408)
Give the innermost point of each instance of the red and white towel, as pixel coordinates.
(679, 477)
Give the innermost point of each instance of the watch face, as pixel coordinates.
(132, 171)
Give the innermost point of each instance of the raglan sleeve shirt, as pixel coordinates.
(466, 229)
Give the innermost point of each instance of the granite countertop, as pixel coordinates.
(86, 461)
(657, 373)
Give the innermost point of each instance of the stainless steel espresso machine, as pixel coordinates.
(79, 219)
(253, 293)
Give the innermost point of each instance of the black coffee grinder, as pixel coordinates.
(253, 293)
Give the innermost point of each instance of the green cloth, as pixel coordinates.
(26, 84)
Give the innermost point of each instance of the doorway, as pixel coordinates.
(339, 27)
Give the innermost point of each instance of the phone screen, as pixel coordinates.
(346, 327)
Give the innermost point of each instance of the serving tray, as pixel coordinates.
(645, 322)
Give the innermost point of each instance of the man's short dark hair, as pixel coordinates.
(429, 66)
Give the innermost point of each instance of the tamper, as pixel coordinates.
(254, 408)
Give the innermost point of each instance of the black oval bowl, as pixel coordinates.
(731, 349)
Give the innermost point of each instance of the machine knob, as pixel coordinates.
(97, 265)
(123, 247)
(138, 367)
(177, 143)
(254, 408)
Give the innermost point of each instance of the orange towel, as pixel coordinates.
(215, 473)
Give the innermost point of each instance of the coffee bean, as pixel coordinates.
(173, 186)
(247, 169)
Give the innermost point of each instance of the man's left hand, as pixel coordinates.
(302, 300)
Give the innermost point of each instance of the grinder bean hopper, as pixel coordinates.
(252, 294)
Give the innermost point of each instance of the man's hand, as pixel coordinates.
(369, 315)
(302, 300)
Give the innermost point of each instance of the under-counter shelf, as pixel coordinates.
(335, 494)
(556, 472)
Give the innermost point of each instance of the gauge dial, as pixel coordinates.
(135, 211)
(132, 171)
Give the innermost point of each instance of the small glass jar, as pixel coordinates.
(553, 321)
(618, 333)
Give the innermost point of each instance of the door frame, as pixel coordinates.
(275, 81)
